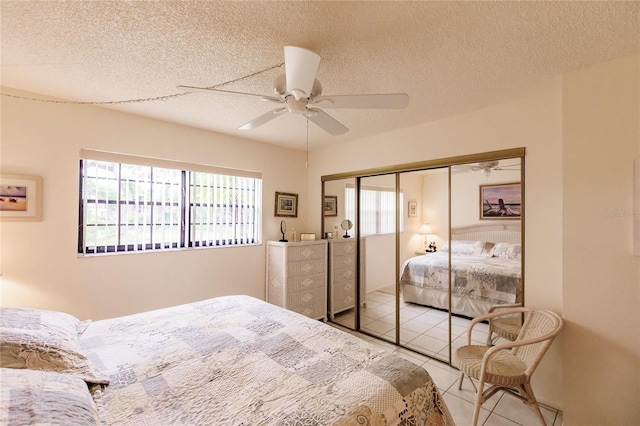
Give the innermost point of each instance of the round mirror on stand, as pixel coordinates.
(283, 229)
(346, 225)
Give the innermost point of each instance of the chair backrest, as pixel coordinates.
(540, 325)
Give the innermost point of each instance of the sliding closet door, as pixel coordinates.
(424, 273)
(486, 210)
(420, 281)
(377, 222)
(340, 222)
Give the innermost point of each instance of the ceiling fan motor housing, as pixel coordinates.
(280, 87)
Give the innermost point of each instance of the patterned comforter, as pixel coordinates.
(237, 360)
(491, 279)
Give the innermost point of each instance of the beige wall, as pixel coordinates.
(533, 122)
(40, 267)
(601, 277)
(581, 135)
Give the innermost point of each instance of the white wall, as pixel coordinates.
(601, 277)
(40, 265)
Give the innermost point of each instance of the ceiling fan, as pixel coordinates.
(299, 92)
(486, 167)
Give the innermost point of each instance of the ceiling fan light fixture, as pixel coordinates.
(301, 66)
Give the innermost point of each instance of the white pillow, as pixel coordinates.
(464, 248)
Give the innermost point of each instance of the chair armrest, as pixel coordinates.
(505, 306)
(491, 315)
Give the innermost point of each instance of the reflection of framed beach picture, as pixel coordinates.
(502, 201)
(330, 205)
(20, 198)
(286, 204)
(413, 208)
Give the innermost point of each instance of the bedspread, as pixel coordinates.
(237, 360)
(491, 279)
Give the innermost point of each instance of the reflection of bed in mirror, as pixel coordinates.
(486, 270)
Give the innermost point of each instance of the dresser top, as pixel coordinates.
(296, 243)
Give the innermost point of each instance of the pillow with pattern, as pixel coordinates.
(43, 340)
(36, 397)
(507, 251)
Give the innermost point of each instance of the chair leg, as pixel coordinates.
(478, 403)
(461, 379)
(534, 402)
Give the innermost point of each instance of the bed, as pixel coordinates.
(486, 270)
(232, 360)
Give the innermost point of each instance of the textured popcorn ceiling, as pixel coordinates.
(450, 57)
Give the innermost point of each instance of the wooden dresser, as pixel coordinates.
(297, 276)
(342, 274)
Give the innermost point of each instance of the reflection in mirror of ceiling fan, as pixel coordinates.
(486, 167)
(299, 92)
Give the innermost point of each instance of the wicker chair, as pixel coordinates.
(509, 366)
(505, 327)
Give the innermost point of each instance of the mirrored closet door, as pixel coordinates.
(377, 226)
(339, 225)
(439, 243)
(424, 269)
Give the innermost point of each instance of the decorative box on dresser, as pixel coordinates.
(297, 276)
(342, 274)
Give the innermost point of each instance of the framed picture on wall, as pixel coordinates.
(501, 201)
(330, 205)
(20, 198)
(286, 204)
(412, 211)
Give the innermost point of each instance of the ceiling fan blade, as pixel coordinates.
(387, 101)
(262, 119)
(227, 92)
(301, 66)
(326, 122)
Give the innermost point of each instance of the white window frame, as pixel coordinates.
(192, 205)
(377, 209)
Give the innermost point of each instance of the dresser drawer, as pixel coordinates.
(306, 282)
(343, 248)
(306, 252)
(306, 267)
(344, 261)
(310, 303)
(343, 274)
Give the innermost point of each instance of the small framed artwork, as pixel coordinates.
(20, 198)
(501, 201)
(286, 204)
(330, 205)
(412, 211)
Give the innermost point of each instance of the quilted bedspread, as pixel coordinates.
(491, 279)
(237, 360)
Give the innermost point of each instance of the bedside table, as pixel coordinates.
(421, 252)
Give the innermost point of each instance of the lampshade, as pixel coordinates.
(425, 229)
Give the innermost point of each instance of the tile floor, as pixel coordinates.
(426, 330)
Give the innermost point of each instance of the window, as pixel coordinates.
(130, 204)
(377, 209)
